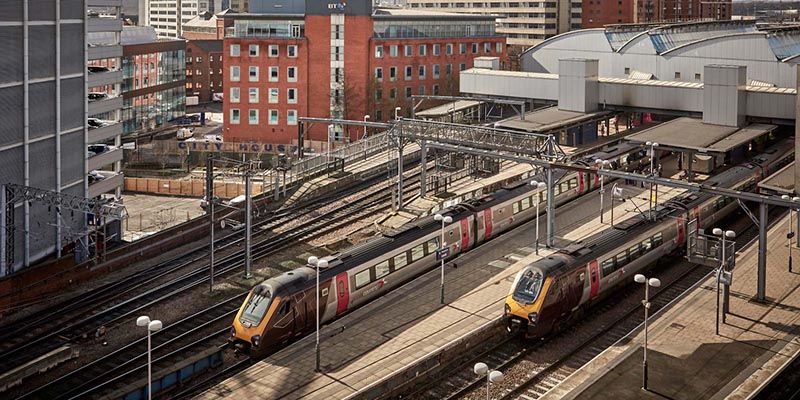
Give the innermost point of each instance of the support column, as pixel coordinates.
(761, 291)
(550, 207)
(423, 150)
(248, 222)
(400, 174)
(689, 167)
(3, 251)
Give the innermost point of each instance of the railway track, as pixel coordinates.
(533, 368)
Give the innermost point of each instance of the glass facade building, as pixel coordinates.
(431, 28)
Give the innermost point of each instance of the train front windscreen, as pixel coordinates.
(528, 288)
(256, 306)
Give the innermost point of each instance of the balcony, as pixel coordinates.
(102, 24)
(102, 134)
(103, 3)
(101, 160)
(105, 105)
(111, 181)
(104, 78)
(102, 51)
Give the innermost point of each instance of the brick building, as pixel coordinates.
(341, 60)
(598, 13)
(204, 68)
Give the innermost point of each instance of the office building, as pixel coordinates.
(204, 69)
(168, 16)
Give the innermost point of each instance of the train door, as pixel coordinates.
(581, 186)
(681, 229)
(487, 220)
(594, 279)
(464, 234)
(479, 228)
(342, 293)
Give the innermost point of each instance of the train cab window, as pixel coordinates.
(362, 279)
(633, 252)
(382, 269)
(285, 307)
(528, 288)
(526, 203)
(400, 261)
(433, 245)
(622, 259)
(658, 239)
(257, 305)
(516, 208)
(608, 266)
(417, 252)
(646, 245)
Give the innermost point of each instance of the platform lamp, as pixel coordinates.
(491, 376)
(318, 264)
(152, 326)
(652, 151)
(654, 282)
(440, 254)
(790, 235)
(730, 235)
(396, 111)
(600, 164)
(537, 185)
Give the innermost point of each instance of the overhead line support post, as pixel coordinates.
(248, 223)
(423, 150)
(761, 288)
(400, 164)
(3, 227)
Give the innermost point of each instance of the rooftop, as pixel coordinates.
(545, 120)
(683, 133)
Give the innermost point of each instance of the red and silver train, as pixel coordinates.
(283, 308)
(548, 293)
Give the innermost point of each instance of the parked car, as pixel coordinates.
(204, 202)
(92, 13)
(95, 96)
(99, 148)
(93, 69)
(95, 176)
(97, 122)
(216, 97)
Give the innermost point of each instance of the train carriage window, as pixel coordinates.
(400, 261)
(633, 252)
(382, 269)
(417, 252)
(563, 187)
(646, 245)
(526, 203)
(362, 279)
(622, 259)
(542, 196)
(608, 266)
(433, 245)
(573, 183)
(516, 208)
(658, 239)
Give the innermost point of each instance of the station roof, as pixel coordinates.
(693, 134)
(446, 109)
(548, 119)
(781, 182)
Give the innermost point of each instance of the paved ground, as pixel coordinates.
(148, 214)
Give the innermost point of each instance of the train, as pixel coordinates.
(551, 293)
(283, 308)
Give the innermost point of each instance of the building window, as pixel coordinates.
(199, 72)
(291, 50)
(273, 50)
(393, 50)
(421, 72)
(437, 49)
(253, 74)
(211, 84)
(253, 95)
(448, 69)
(378, 51)
(627, 70)
(253, 117)
(408, 92)
(462, 67)
(273, 95)
(462, 48)
(435, 90)
(273, 117)
(211, 71)
(498, 47)
(393, 93)
(474, 48)
(448, 49)
(234, 95)
(378, 115)
(487, 48)
(291, 117)
(378, 94)
(697, 77)
(409, 50)
(234, 50)
(188, 85)
(409, 72)
(234, 115)
(253, 50)
(423, 50)
(677, 76)
(235, 74)
(273, 74)
(435, 71)
(379, 74)
(291, 74)
(392, 74)
(291, 96)
(421, 90)
(210, 59)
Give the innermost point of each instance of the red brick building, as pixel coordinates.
(342, 61)
(597, 13)
(204, 70)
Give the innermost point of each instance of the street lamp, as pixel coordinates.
(790, 235)
(440, 254)
(491, 376)
(652, 152)
(600, 164)
(152, 326)
(537, 185)
(396, 111)
(729, 235)
(654, 282)
(319, 264)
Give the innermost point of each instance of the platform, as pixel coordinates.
(380, 340)
(686, 359)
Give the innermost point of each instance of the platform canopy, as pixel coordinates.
(692, 134)
(447, 109)
(781, 182)
(549, 119)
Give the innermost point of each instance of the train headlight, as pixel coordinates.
(506, 310)
(233, 331)
(533, 317)
(255, 340)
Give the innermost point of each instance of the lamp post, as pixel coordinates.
(652, 152)
(440, 254)
(396, 111)
(318, 264)
(364, 139)
(790, 235)
(330, 135)
(492, 376)
(366, 117)
(537, 185)
(600, 164)
(730, 235)
(152, 326)
(654, 282)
